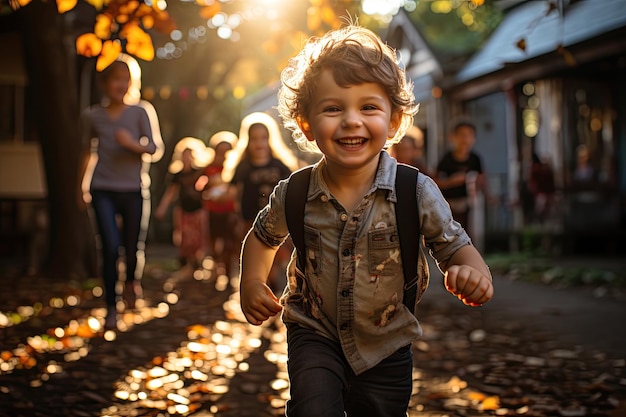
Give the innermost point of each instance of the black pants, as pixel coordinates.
(322, 384)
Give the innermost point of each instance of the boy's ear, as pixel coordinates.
(394, 123)
(305, 128)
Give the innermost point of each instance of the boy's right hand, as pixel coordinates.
(258, 302)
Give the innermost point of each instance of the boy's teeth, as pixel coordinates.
(351, 141)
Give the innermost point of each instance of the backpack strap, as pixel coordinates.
(407, 222)
(295, 200)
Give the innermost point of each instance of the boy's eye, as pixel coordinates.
(370, 107)
(332, 109)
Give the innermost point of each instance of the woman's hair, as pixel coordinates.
(277, 145)
(355, 55)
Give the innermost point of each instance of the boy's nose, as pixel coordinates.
(351, 119)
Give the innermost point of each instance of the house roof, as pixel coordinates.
(543, 32)
(422, 65)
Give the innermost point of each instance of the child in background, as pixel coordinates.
(224, 226)
(116, 176)
(410, 149)
(190, 155)
(349, 334)
(459, 167)
(253, 169)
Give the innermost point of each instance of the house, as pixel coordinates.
(550, 78)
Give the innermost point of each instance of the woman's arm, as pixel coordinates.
(126, 140)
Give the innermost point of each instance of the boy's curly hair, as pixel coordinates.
(355, 55)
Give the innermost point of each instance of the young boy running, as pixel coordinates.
(349, 334)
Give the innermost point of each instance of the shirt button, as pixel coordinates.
(346, 252)
(344, 326)
(344, 217)
(345, 293)
(324, 198)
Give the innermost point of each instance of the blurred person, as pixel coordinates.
(459, 173)
(541, 185)
(349, 332)
(188, 161)
(224, 225)
(584, 172)
(253, 168)
(410, 149)
(121, 134)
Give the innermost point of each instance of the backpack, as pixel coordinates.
(407, 224)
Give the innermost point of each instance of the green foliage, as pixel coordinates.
(568, 272)
(459, 31)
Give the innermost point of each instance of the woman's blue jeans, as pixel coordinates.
(107, 206)
(322, 384)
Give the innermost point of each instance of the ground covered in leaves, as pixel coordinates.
(188, 351)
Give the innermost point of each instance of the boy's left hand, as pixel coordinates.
(468, 284)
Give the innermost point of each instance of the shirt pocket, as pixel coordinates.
(313, 248)
(384, 251)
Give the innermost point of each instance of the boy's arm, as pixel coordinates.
(468, 277)
(258, 302)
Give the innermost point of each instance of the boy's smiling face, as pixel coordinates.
(350, 125)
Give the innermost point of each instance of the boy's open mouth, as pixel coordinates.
(352, 142)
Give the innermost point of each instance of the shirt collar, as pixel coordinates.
(384, 179)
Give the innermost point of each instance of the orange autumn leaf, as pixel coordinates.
(491, 403)
(110, 51)
(567, 55)
(98, 4)
(122, 18)
(129, 7)
(102, 28)
(84, 331)
(143, 10)
(147, 21)
(138, 43)
(88, 44)
(197, 329)
(476, 396)
(65, 5)
(143, 50)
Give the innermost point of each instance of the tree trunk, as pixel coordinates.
(72, 244)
